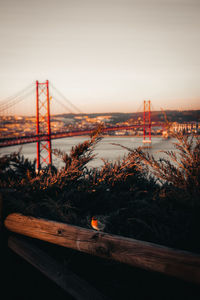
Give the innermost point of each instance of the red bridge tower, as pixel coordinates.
(147, 122)
(44, 152)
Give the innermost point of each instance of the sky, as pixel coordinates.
(104, 55)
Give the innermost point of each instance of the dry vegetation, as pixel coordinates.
(139, 197)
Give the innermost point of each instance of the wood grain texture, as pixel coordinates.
(67, 280)
(149, 256)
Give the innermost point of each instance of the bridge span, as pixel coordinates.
(44, 134)
(20, 140)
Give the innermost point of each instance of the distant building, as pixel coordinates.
(187, 127)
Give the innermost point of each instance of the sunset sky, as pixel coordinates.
(104, 55)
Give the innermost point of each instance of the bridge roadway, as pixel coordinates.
(13, 141)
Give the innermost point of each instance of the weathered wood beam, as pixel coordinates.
(149, 256)
(67, 280)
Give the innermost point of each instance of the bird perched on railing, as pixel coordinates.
(98, 223)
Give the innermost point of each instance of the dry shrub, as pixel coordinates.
(179, 173)
(125, 193)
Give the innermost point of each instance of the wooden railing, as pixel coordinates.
(149, 256)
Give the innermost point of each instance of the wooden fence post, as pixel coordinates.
(54, 270)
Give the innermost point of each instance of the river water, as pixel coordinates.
(103, 150)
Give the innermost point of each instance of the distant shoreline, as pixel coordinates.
(124, 136)
(137, 136)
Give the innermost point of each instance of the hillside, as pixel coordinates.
(172, 116)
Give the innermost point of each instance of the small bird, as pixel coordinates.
(97, 224)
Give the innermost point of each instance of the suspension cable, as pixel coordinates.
(67, 100)
(63, 105)
(10, 98)
(15, 101)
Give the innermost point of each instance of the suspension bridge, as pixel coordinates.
(43, 133)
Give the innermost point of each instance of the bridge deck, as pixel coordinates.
(12, 141)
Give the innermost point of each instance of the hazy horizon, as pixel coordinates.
(106, 113)
(107, 55)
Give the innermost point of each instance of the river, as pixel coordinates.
(103, 150)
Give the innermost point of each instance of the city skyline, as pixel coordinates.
(105, 56)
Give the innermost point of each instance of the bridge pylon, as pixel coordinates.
(43, 126)
(147, 122)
